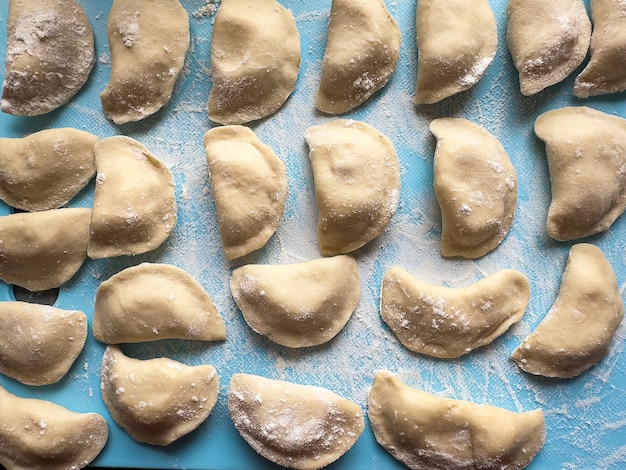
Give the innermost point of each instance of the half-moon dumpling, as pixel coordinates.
(40, 434)
(450, 322)
(42, 250)
(586, 151)
(46, 169)
(39, 343)
(157, 401)
(547, 40)
(148, 42)
(298, 305)
(249, 185)
(255, 58)
(456, 42)
(606, 71)
(578, 330)
(134, 207)
(361, 54)
(296, 426)
(475, 186)
(151, 302)
(357, 183)
(424, 431)
(50, 53)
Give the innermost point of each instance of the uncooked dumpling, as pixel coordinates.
(38, 434)
(606, 71)
(46, 169)
(151, 302)
(456, 42)
(586, 151)
(157, 401)
(39, 343)
(361, 54)
(50, 52)
(249, 185)
(148, 41)
(450, 322)
(43, 250)
(548, 40)
(424, 431)
(357, 183)
(298, 305)
(134, 207)
(476, 188)
(255, 58)
(296, 426)
(578, 330)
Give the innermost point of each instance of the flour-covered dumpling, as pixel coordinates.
(450, 322)
(134, 207)
(362, 52)
(476, 188)
(43, 250)
(46, 169)
(50, 53)
(255, 58)
(157, 401)
(547, 40)
(606, 71)
(148, 41)
(586, 151)
(38, 434)
(249, 186)
(39, 343)
(357, 183)
(153, 301)
(298, 305)
(297, 426)
(456, 42)
(424, 431)
(577, 331)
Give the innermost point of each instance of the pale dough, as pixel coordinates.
(456, 42)
(43, 250)
(153, 301)
(38, 434)
(297, 426)
(44, 170)
(39, 343)
(249, 186)
(148, 40)
(362, 52)
(548, 40)
(157, 401)
(255, 59)
(586, 151)
(134, 206)
(328, 292)
(426, 432)
(476, 188)
(50, 53)
(577, 331)
(606, 71)
(357, 183)
(450, 322)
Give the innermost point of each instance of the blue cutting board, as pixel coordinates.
(585, 416)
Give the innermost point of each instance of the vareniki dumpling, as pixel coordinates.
(361, 54)
(456, 42)
(249, 186)
(255, 58)
(148, 42)
(547, 40)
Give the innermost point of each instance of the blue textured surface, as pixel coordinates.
(586, 417)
